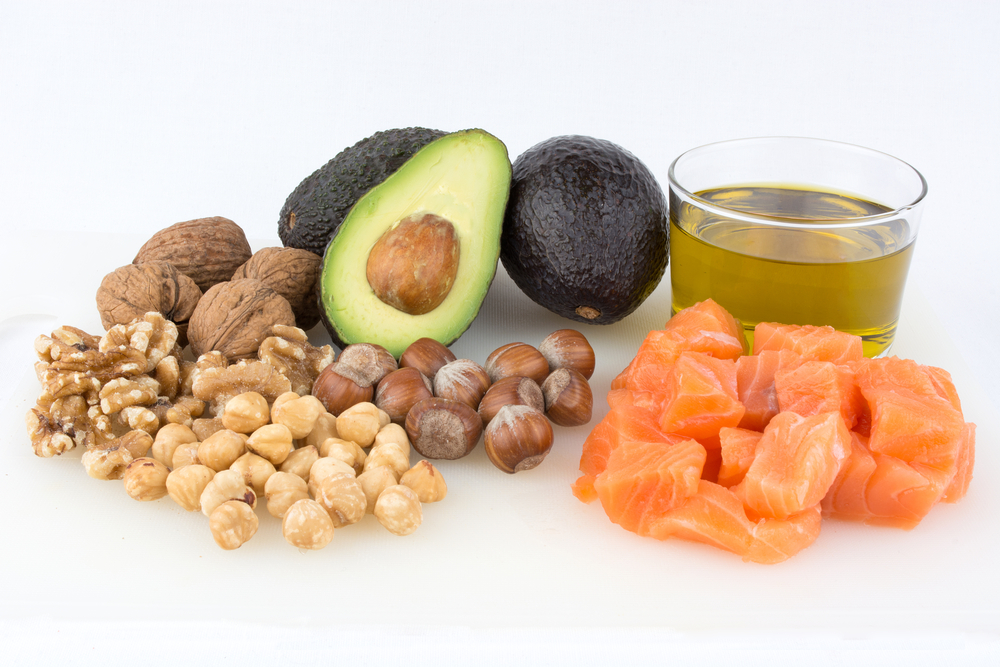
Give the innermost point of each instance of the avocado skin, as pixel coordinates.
(321, 201)
(586, 226)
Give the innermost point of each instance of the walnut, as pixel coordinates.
(153, 335)
(288, 350)
(218, 385)
(110, 460)
(208, 250)
(47, 438)
(235, 317)
(294, 274)
(131, 291)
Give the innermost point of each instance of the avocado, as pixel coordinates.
(315, 208)
(585, 233)
(417, 254)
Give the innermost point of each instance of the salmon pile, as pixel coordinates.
(748, 452)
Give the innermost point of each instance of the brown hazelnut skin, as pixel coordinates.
(339, 387)
(426, 355)
(568, 348)
(510, 391)
(400, 390)
(462, 380)
(517, 359)
(518, 438)
(372, 362)
(439, 428)
(569, 400)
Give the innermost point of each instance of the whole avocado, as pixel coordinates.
(317, 206)
(586, 232)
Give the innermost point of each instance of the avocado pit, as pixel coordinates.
(412, 266)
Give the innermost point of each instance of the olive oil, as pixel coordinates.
(806, 267)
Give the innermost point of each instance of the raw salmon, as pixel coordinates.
(701, 398)
(755, 385)
(819, 386)
(738, 446)
(808, 341)
(795, 463)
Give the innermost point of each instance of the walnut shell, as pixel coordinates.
(291, 272)
(209, 250)
(131, 291)
(235, 317)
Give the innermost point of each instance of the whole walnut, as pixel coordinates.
(291, 272)
(131, 291)
(209, 250)
(234, 317)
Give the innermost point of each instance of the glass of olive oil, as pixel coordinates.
(797, 231)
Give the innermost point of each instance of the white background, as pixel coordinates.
(118, 119)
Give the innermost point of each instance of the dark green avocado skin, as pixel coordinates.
(586, 229)
(315, 209)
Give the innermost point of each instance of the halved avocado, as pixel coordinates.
(416, 255)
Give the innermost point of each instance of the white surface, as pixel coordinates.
(117, 119)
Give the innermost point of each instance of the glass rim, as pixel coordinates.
(796, 223)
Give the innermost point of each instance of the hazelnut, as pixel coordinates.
(398, 509)
(307, 525)
(395, 434)
(388, 455)
(569, 400)
(568, 348)
(401, 390)
(233, 523)
(221, 449)
(426, 355)
(439, 428)
(300, 461)
(283, 490)
(224, 486)
(298, 413)
(256, 470)
(186, 455)
(510, 391)
(516, 359)
(371, 362)
(347, 451)
(359, 423)
(342, 497)
(185, 485)
(202, 428)
(246, 412)
(518, 438)
(426, 482)
(146, 479)
(373, 482)
(462, 380)
(325, 427)
(323, 468)
(168, 438)
(273, 442)
(339, 387)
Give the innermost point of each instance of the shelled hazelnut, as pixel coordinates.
(426, 481)
(398, 509)
(185, 485)
(373, 482)
(307, 525)
(146, 479)
(232, 524)
(283, 490)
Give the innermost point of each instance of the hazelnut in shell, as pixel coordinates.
(401, 390)
(426, 355)
(518, 438)
(371, 362)
(569, 400)
(462, 380)
(568, 348)
(439, 428)
(516, 359)
(339, 387)
(510, 391)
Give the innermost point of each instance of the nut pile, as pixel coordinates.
(447, 404)
(215, 436)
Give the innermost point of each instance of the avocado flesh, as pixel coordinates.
(586, 233)
(463, 177)
(317, 206)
